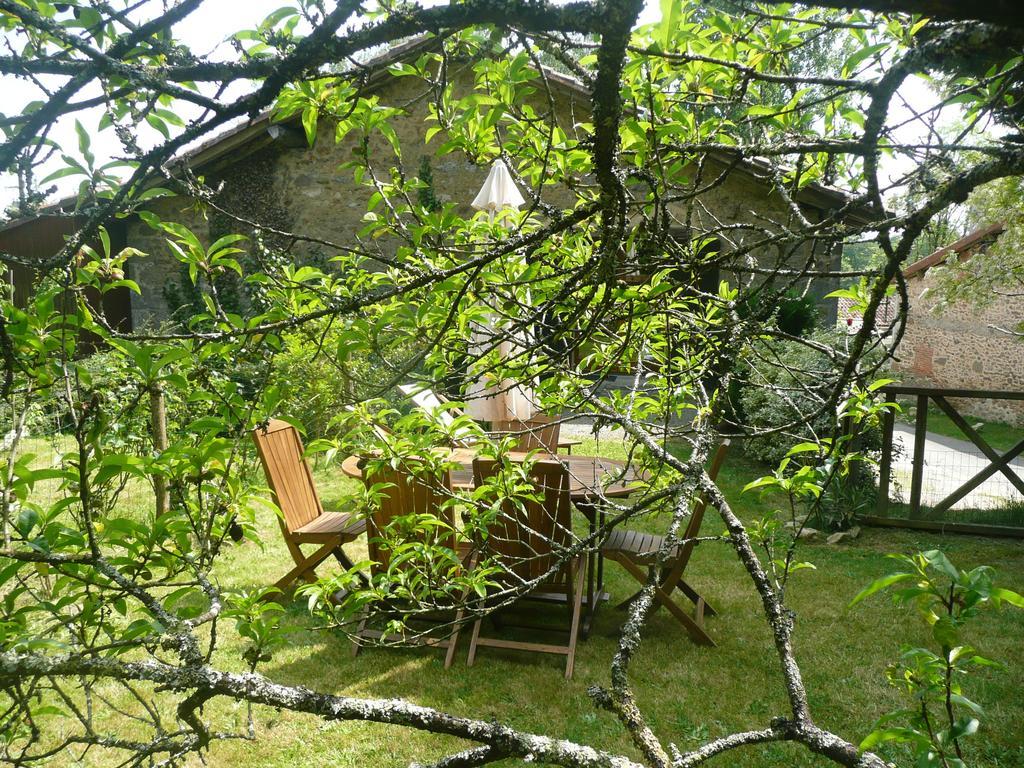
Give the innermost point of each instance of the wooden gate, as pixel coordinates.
(932, 516)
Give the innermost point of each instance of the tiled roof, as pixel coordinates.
(965, 246)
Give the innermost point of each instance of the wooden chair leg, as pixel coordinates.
(694, 628)
(473, 640)
(637, 573)
(453, 641)
(357, 644)
(342, 558)
(577, 610)
(625, 603)
(348, 565)
(696, 598)
(304, 566)
(460, 614)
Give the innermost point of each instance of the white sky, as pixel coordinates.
(206, 31)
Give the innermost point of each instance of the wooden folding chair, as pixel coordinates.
(525, 540)
(403, 494)
(432, 402)
(538, 433)
(303, 519)
(637, 553)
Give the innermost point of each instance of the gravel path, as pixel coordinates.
(949, 463)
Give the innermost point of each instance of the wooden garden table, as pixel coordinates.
(586, 490)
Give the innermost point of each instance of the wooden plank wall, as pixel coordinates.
(37, 239)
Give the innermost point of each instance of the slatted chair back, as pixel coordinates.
(529, 536)
(291, 481)
(531, 530)
(538, 433)
(403, 494)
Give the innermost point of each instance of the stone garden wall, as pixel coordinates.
(159, 274)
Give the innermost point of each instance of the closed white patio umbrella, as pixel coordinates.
(487, 399)
(499, 191)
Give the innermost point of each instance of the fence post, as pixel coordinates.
(158, 415)
(920, 435)
(885, 464)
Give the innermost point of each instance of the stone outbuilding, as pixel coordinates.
(960, 345)
(963, 346)
(266, 171)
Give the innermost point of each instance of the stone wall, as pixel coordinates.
(960, 348)
(159, 273)
(743, 199)
(306, 189)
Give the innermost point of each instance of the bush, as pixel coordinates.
(38, 421)
(791, 311)
(118, 391)
(317, 383)
(797, 315)
(786, 386)
(130, 431)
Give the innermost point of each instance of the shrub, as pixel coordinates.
(317, 379)
(791, 311)
(787, 386)
(797, 315)
(120, 393)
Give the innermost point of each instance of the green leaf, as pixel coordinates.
(879, 584)
(844, 293)
(225, 241)
(1007, 596)
(158, 124)
(963, 701)
(804, 448)
(859, 56)
(277, 16)
(169, 116)
(761, 482)
(940, 562)
(669, 25)
(150, 219)
(83, 141)
(889, 734)
(967, 726)
(945, 632)
(309, 120)
(63, 173)
(105, 240)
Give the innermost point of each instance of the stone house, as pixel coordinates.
(266, 171)
(961, 346)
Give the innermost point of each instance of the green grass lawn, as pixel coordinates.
(691, 693)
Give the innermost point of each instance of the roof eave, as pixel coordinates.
(962, 245)
(255, 129)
